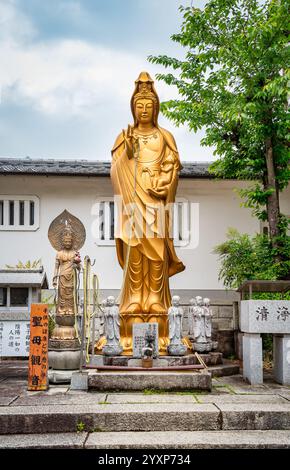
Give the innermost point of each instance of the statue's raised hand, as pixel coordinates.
(130, 141)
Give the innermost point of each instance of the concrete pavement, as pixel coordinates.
(234, 415)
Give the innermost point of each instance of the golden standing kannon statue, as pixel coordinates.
(144, 174)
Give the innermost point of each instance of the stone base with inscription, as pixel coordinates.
(140, 331)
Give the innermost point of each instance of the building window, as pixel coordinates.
(11, 212)
(18, 296)
(19, 213)
(31, 212)
(106, 216)
(1, 213)
(3, 296)
(107, 229)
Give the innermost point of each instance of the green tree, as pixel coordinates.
(234, 82)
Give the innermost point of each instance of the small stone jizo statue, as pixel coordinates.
(112, 328)
(201, 324)
(175, 316)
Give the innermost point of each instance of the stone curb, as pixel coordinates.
(255, 416)
(151, 440)
(190, 440)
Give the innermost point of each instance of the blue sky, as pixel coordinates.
(68, 69)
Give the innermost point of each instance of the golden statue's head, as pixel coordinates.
(67, 238)
(145, 102)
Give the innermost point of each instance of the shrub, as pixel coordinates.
(244, 257)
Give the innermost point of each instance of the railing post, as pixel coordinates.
(82, 336)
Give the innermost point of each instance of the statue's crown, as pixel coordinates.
(144, 85)
(144, 77)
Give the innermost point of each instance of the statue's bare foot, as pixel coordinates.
(132, 308)
(153, 304)
(157, 308)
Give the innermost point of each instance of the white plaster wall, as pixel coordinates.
(219, 209)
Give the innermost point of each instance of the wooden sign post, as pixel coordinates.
(38, 352)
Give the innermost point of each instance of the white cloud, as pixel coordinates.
(14, 25)
(69, 77)
(65, 77)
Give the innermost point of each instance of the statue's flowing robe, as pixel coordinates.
(132, 191)
(65, 261)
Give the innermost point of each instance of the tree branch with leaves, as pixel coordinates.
(234, 83)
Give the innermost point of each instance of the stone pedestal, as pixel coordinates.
(202, 347)
(64, 352)
(253, 358)
(64, 359)
(79, 381)
(281, 349)
(177, 349)
(265, 316)
(112, 349)
(60, 376)
(211, 359)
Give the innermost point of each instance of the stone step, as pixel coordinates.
(217, 370)
(153, 380)
(140, 417)
(151, 440)
(107, 417)
(127, 381)
(225, 369)
(190, 440)
(210, 358)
